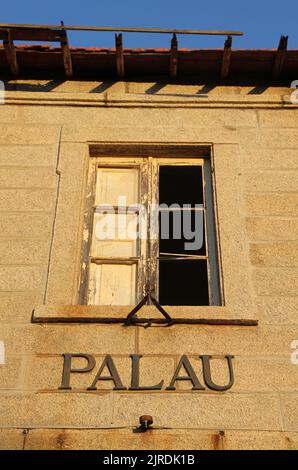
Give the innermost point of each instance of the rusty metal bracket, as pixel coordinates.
(145, 424)
(161, 310)
(130, 319)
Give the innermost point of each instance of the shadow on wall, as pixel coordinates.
(105, 85)
(202, 92)
(39, 87)
(52, 85)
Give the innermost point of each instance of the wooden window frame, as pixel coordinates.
(209, 226)
(125, 156)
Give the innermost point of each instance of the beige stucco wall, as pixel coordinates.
(44, 136)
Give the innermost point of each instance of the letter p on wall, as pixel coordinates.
(2, 353)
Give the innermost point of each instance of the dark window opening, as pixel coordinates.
(183, 270)
(183, 282)
(180, 184)
(171, 245)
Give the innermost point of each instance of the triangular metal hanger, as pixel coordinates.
(148, 296)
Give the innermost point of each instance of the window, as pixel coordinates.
(152, 221)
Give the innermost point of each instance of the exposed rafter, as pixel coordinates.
(174, 57)
(33, 34)
(66, 54)
(244, 64)
(226, 58)
(119, 56)
(280, 57)
(10, 53)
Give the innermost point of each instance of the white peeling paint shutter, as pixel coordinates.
(114, 247)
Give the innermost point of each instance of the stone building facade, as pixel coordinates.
(51, 132)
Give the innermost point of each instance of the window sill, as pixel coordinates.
(148, 314)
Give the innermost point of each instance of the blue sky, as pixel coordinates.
(262, 21)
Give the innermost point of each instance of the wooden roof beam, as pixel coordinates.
(174, 57)
(280, 57)
(129, 30)
(27, 34)
(10, 53)
(119, 55)
(226, 58)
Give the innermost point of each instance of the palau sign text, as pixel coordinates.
(184, 371)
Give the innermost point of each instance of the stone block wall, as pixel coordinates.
(44, 138)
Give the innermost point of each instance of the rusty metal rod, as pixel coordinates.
(136, 321)
(126, 30)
